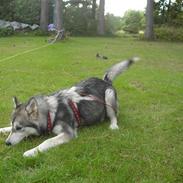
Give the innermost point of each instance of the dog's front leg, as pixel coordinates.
(5, 130)
(47, 144)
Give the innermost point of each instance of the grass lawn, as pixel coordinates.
(148, 147)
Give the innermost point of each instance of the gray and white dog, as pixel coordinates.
(61, 113)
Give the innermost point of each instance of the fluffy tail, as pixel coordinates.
(119, 68)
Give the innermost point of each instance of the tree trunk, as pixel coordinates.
(149, 33)
(101, 20)
(59, 14)
(94, 6)
(168, 11)
(44, 15)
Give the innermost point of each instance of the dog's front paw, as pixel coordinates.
(31, 153)
(114, 127)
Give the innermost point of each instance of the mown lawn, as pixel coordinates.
(148, 147)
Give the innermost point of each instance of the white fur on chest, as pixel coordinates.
(53, 104)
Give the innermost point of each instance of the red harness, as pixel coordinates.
(75, 111)
(49, 124)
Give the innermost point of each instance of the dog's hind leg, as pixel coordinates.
(111, 107)
(6, 129)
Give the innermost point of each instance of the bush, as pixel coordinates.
(169, 33)
(133, 21)
(6, 32)
(39, 32)
(73, 24)
(112, 24)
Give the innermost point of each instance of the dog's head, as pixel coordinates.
(24, 122)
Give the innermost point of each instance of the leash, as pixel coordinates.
(59, 33)
(101, 101)
(76, 112)
(23, 53)
(97, 99)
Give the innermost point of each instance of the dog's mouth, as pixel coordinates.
(31, 137)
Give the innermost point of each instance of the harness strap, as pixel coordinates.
(49, 124)
(75, 111)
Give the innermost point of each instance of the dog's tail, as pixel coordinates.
(119, 68)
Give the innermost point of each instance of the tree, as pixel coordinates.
(59, 14)
(112, 24)
(44, 15)
(24, 11)
(149, 32)
(94, 6)
(7, 9)
(168, 12)
(101, 20)
(78, 18)
(133, 21)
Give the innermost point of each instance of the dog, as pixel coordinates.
(63, 112)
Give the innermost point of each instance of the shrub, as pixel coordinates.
(112, 24)
(133, 21)
(169, 33)
(6, 32)
(39, 32)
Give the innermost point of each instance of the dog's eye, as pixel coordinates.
(18, 128)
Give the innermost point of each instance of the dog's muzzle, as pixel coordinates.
(8, 143)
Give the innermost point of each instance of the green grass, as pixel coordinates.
(148, 147)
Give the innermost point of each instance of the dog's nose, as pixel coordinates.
(8, 143)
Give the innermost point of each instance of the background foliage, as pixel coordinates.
(27, 11)
(24, 11)
(80, 20)
(112, 24)
(168, 19)
(133, 21)
(168, 12)
(7, 10)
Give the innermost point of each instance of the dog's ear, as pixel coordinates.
(32, 108)
(15, 102)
